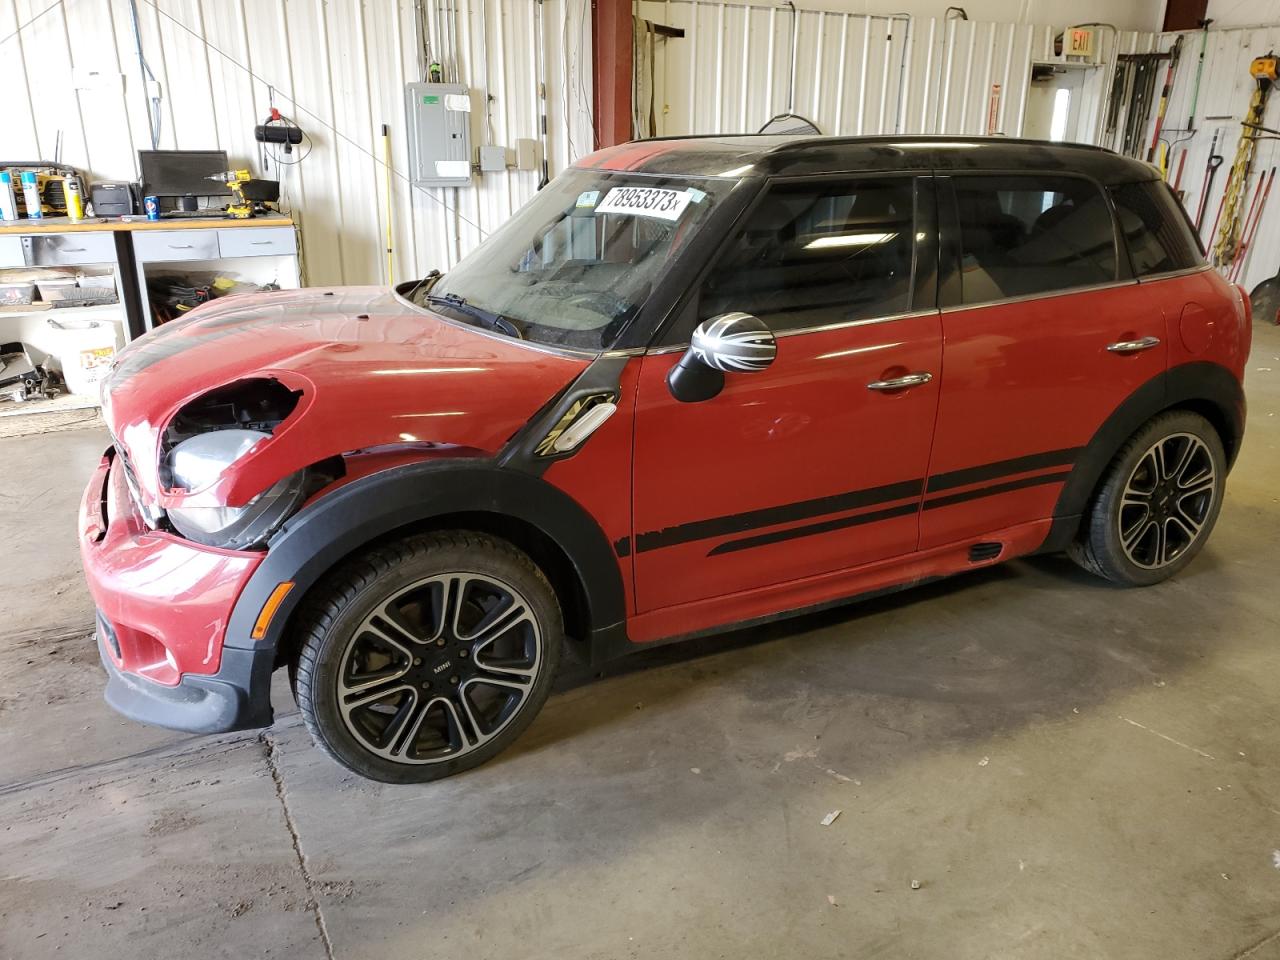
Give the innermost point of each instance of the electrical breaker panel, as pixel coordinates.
(438, 121)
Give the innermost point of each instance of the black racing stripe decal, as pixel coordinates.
(1002, 468)
(809, 530)
(623, 547)
(770, 516)
(997, 488)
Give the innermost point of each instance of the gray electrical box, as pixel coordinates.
(438, 120)
(493, 159)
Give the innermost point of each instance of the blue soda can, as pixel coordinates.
(152, 206)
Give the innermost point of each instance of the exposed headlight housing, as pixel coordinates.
(198, 462)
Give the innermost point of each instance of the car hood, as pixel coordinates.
(372, 370)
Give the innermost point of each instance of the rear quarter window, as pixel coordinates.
(1155, 229)
(1029, 235)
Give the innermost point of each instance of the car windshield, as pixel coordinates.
(576, 264)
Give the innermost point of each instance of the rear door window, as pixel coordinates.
(1023, 236)
(1155, 229)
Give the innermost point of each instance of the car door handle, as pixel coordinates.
(1133, 346)
(901, 383)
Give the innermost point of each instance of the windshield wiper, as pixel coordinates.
(494, 321)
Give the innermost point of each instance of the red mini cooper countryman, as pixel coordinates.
(693, 384)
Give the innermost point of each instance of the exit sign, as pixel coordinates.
(1081, 43)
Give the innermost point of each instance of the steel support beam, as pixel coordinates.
(612, 55)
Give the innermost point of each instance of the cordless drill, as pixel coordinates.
(242, 209)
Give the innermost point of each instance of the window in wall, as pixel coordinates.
(819, 253)
(1155, 229)
(1028, 235)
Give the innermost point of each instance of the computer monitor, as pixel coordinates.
(182, 173)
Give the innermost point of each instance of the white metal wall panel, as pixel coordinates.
(730, 74)
(338, 67)
(855, 74)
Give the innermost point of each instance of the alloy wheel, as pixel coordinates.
(1167, 500)
(439, 668)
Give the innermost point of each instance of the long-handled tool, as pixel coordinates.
(1140, 98)
(1177, 177)
(1174, 54)
(1195, 92)
(1229, 258)
(1115, 100)
(1226, 238)
(1210, 171)
(1251, 229)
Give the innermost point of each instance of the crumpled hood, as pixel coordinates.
(372, 369)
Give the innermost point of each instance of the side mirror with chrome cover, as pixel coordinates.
(728, 343)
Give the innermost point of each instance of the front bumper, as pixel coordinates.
(235, 698)
(163, 608)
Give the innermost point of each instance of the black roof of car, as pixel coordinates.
(756, 155)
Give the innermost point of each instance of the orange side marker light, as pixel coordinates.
(269, 609)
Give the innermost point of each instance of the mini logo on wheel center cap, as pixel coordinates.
(441, 668)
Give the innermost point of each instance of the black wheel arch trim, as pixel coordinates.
(340, 523)
(1202, 384)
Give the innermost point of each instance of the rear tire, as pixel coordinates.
(1157, 503)
(427, 656)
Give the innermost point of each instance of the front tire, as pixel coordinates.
(427, 656)
(1157, 504)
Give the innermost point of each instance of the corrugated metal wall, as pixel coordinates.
(854, 74)
(338, 67)
(857, 74)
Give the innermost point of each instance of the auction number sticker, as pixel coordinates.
(646, 202)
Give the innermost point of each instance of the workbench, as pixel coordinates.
(264, 249)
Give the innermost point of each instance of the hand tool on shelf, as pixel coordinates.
(235, 180)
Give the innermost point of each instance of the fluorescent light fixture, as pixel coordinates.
(849, 240)
(738, 171)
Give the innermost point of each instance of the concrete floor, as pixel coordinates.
(1067, 770)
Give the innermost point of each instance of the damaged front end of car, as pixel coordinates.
(200, 456)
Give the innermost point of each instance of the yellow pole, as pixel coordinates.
(386, 165)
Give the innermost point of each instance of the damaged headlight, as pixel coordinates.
(197, 463)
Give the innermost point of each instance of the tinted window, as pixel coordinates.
(1155, 229)
(1028, 235)
(819, 253)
